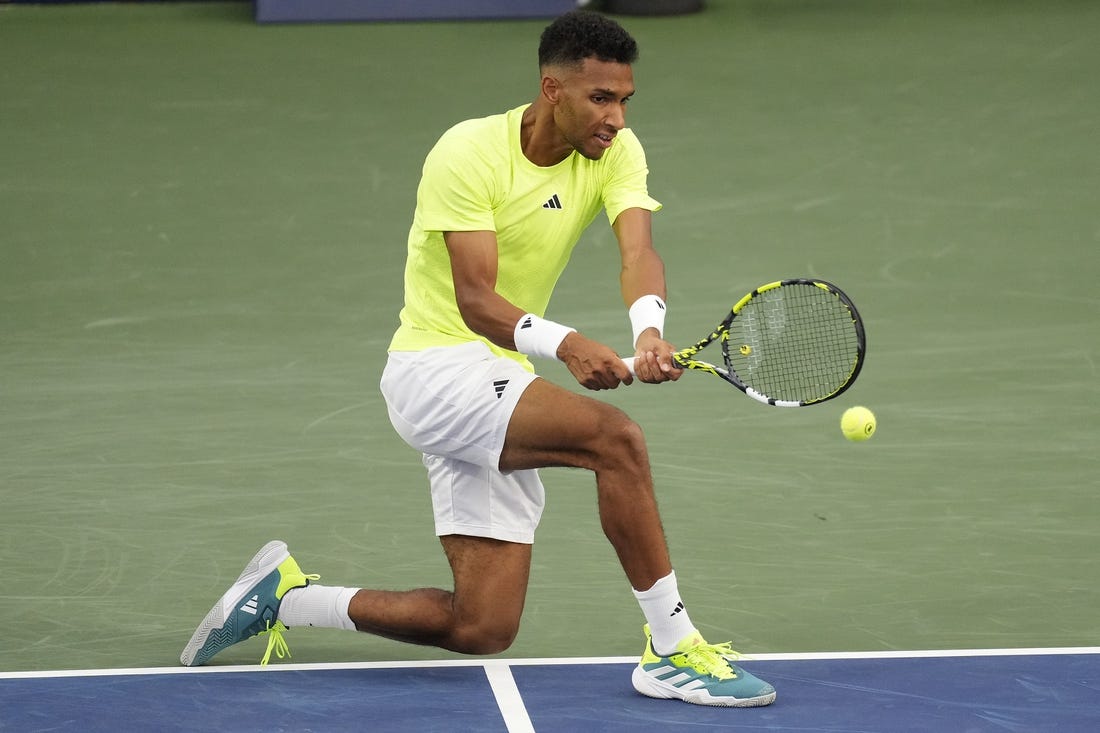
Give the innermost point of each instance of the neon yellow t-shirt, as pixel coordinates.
(476, 178)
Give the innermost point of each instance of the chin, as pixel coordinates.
(591, 154)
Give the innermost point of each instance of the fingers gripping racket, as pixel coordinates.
(789, 343)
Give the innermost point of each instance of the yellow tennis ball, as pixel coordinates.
(857, 423)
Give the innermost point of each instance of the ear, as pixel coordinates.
(551, 89)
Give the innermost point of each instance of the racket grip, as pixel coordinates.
(629, 361)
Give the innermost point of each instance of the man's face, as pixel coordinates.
(591, 105)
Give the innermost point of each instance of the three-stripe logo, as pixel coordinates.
(252, 605)
(553, 203)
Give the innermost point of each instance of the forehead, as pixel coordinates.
(593, 74)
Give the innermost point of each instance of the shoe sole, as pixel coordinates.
(263, 562)
(651, 687)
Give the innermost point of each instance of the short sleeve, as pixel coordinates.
(457, 186)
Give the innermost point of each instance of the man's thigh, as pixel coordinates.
(552, 426)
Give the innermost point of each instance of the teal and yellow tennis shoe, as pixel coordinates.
(699, 673)
(249, 607)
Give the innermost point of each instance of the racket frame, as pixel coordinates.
(686, 357)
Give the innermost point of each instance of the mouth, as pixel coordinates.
(604, 139)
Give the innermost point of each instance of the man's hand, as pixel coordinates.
(653, 359)
(593, 364)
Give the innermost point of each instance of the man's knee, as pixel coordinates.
(486, 637)
(623, 442)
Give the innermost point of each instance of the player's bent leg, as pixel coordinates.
(481, 615)
(552, 426)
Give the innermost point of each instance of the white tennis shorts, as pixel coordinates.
(453, 404)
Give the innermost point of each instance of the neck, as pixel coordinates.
(538, 136)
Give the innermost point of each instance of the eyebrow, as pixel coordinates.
(612, 93)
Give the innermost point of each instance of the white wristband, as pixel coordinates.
(537, 336)
(647, 311)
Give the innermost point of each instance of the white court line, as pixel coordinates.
(503, 684)
(508, 698)
(479, 662)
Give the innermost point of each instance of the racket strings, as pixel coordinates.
(796, 342)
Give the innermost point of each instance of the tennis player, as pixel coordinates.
(501, 203)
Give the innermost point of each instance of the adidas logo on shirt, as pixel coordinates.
(553, 203)
(499, 386)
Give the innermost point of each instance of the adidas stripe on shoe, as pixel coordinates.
(701, 674)
(249, 607)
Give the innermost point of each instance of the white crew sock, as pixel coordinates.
(665, 612)
(317, 605)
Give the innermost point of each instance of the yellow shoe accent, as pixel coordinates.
(291, 576)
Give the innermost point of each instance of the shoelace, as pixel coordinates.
(713, 659)
(275, 642)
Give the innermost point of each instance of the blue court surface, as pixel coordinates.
(997, 690)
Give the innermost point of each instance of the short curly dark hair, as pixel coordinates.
(582, 34)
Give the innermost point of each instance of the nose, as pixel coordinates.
(616, 118)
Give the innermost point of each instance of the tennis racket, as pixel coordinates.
(789, 343)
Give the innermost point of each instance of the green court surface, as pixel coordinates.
(202, 227)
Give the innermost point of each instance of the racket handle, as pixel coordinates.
(629, 362)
